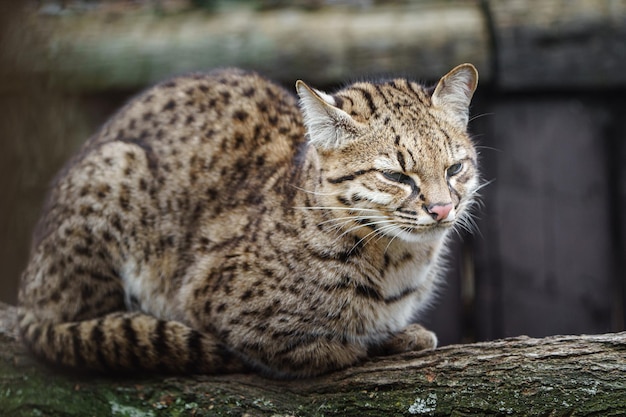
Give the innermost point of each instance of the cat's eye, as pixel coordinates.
(454, 169)
(398, 177)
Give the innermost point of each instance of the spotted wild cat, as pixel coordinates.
(215, 225)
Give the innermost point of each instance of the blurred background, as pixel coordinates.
(549, 119)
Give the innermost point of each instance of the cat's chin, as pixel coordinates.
(422, 235)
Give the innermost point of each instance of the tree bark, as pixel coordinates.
(555, 376)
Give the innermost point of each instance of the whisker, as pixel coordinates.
(362, 239)
(360, 226)
(483, 185)
(378, 232)
(346, 220)
(336, 208)
(384, 233)
(339, 225)
(393, 238)
(467, 223)
(313, 192)
(478, 116)
(352, 218)
(460, 227)
(365, 225)
(342, 221)
(489, 148)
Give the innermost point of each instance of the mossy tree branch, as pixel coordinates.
(556, 376)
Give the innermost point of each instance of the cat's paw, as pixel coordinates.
(414, 337)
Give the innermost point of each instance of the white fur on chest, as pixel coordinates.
(144, 293)
(417, 277)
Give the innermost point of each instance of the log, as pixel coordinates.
(100, 51)
(517, 44)
(555, 376)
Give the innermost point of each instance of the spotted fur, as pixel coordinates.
(215, 224)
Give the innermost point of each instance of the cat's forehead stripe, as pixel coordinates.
(403, 99)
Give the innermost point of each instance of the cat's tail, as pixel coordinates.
(126, 341)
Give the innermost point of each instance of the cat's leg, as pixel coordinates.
(300, 356)
(306, 358)
(412, 338)
(325, 355)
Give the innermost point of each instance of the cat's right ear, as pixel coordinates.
(454, 92)
(328, 126)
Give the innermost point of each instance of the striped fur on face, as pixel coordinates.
(397, 155)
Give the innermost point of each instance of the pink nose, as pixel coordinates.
(440, 211)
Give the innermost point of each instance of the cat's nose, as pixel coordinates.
(439, 211)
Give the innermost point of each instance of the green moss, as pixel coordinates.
(40, 395)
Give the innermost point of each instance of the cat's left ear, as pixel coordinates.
(328, 126)
(454, 92)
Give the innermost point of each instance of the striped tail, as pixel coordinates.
(127, 341)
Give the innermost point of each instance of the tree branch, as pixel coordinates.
(555, 376)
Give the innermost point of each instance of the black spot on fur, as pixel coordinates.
(170, 105)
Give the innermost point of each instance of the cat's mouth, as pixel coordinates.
(422, 234)
(422, 231)
(398, 224)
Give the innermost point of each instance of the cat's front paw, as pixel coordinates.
(414, 337)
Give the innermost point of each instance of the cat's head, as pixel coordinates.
(395, 157)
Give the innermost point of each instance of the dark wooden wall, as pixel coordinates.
(549, 118)
(549, 257)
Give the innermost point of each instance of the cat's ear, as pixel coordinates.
(454, 92)
(328, 126)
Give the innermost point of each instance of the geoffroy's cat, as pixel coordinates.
(215, 224)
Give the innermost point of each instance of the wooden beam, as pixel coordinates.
(102, 51)
(519, 44)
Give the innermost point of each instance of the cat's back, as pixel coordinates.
(187, 142)
(177, 158)
(226, 113)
